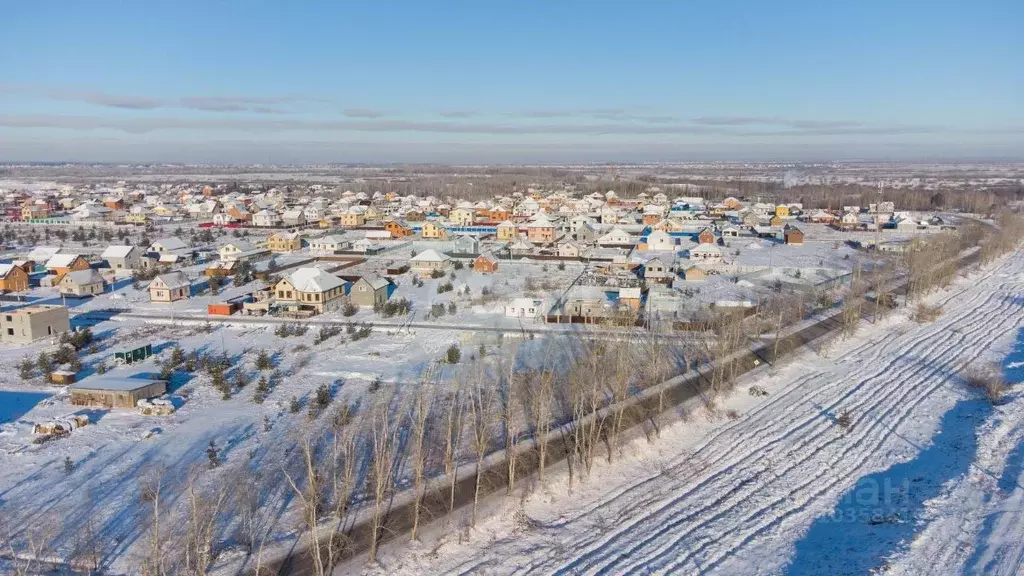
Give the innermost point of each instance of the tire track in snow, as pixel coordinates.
(766, 527)
(853, 449)
(926, 334)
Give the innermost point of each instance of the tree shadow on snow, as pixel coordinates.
(877, 516)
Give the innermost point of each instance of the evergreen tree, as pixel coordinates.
(213, 454)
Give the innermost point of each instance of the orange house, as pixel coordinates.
(706, 236)
(540, 233)
(12, 278)
(485, 264)
(499, 214)
(61, 264)
(114, 204)
(652, 218)
(397, 229)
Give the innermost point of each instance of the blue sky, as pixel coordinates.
(498, 81)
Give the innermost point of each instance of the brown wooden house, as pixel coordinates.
(13, 278)
(397, 229)
(485, 264)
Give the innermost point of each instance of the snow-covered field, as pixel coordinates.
(928, 479)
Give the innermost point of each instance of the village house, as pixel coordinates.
(369, 291)
(485, 264)
(521, 248)
(694, 274)
(706, 236)
(238, 213)
(794, 235)
(123, 257)
(25, 325)
(81, 283)
(462, 216)
(653, 214)
(656, 270)
(293, 218)
(314, 212)
(429, 260)
(585, 301)
(569, 250)
(617, 237)
(659, 241)
(222, 219)
(706, 252)
(168, 245)
(284, 242)
(239, 250)
(541, 230)
(170, 287)
(434, 231)
(353, 217)
(61, 264)
(465, 245)
(13, 278)
(585, 233)
(629, 298)
(849, 221)
(507, 230)
(398, 229)
(821, 217)
(266, 218)
(222, 269)
(310, 289)
(498, 214)
(329, 244)
(525, 308)
(750, 219)
(35, 210)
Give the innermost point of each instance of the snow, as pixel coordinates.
(928, 479)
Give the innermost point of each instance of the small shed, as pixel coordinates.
(228, 307)
(113, 392)
(221, 309)
(134, 354)
(63, 377)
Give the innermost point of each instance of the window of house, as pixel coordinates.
(10, 331)
(10, 318)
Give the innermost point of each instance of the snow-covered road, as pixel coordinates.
(928, 479)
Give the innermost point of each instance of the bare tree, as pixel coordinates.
(383, 437)
(421, 404)
(510, 425)
(308, 487)
(204, 503)
(346, 433)
(481, 407)
(151, 493)
(541, 401)
(453, 424)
